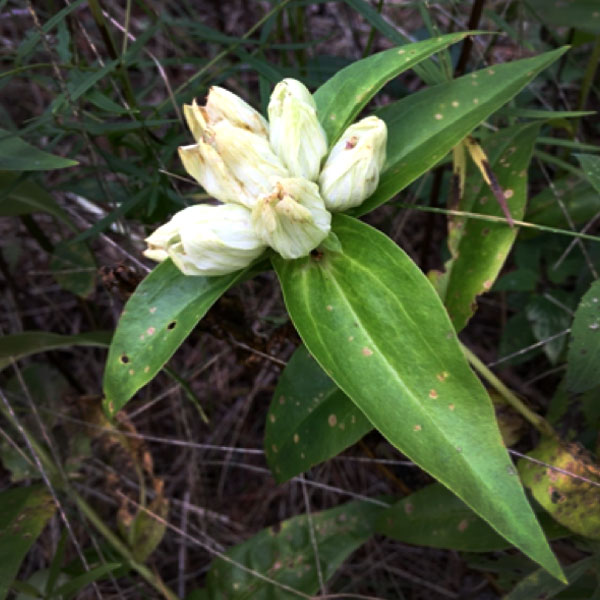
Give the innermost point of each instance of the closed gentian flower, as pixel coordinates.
(292, 218)
(223, 105)
(232, 164)
(351, 173)
(207, 240)
(205, 165)
(294, 129)
(249, 158)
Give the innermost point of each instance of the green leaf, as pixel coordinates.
(540, 585)
(70, 589)
(591, 167)
(435, 517)
(584, 350)
(569, 492)
(17, 155)
(19, 345)
(24, 512)
(157, 318)
(484, 246)
(21, 196)
(379, 330)
(310, 419)
(581, 14)
(425, 126)
(341, 98)
(285, 554)
(577, 195)
(74, 268)
(146, 529)
(429, 72)
(547, 319)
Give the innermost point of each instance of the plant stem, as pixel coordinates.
(465, 51)
(536, 420)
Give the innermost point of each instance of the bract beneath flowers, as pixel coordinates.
(268, 176)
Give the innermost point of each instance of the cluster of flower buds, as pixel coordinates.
(270, 177)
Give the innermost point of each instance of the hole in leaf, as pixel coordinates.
(171, 325)
(124, 358)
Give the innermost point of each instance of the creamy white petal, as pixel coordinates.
(292, 218)
(295, 132)
(207, 167)
(249, 158)
(351, 173)
(207, 240)
(221, 104)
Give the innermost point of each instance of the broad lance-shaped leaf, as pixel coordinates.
(341, 98)
(579, 14)
(570, 494)
(591, 167)
(425, 126)
(158, 317)
(577, 195)
(310, 419)
(482, 247)
(379, 330)
(539, 585)
(17, 155)
(584, 351)
(435, 517)
(18, 345)
(24, 512)
(283, 557)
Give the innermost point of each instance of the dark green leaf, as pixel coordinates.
(591, 167)
(435, 517)
(17, 155)
(18, 345)
(584, 351)
(578, 197)
(341, 98)
(581, 14)
(74, 268)
(378, 328)
(70, 589)
(24, 512)
(484, 246)
(547, 319)
(540, 585)
(285, 555)
(162, 312)
(310, 419)
(21, 196)
(425, 126)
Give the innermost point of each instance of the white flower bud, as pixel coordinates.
(295, 132)
(207, 240)
(224, 105)
(292, 218)
(205, 165)
(232, 164)
(351, 173)
(249, 158)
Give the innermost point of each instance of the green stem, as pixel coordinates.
(98, 15)
(371, 37)
(495, 219)
(536, 420)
